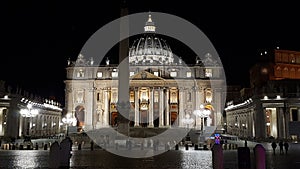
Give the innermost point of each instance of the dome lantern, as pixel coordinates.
(149, 26)
(150, 48)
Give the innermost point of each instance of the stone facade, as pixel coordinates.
(272, 110)
(161, 93)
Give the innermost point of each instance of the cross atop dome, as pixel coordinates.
(149, 26)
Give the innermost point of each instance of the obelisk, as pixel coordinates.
(123, 105)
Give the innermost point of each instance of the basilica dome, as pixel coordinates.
(150, 48)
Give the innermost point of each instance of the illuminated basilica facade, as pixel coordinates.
(163, 91)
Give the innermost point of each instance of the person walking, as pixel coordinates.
(286, 147)
(274, 145)
(281, 147)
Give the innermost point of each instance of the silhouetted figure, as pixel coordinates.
(36, 146)
(274, 145)
(92, 145)
(286, 147)
(281, 147)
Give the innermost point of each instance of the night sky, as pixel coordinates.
(39, 36)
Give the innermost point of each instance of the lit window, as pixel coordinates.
(114, 74)
(80, 73)
(208, 72)
(114, 96)
(173, 74)
(264, 71)
(208, 96)
(131, 98)
(188, 74)
(155, 73)
(99, 74)
(131, 73)
(173, 97)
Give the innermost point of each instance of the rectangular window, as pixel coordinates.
(114, 96)
(208, 72)
(131, 99)
(99, 74)
(144, 96)
(173, 97)
(114, 74)
(173, 74)
(294, 115)
(188, 74)
(98, 96)
(155, 73)
(131, 73)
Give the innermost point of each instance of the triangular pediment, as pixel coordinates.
(144, 75)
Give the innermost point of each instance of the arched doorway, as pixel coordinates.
(80, 115)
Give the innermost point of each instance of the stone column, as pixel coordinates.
(106, 108)
(161, 107)
(167, 107)
(287, 119)
(151, 103)
(136, 108)
(217, 99)
(280, 122)
(201, 95)
(21, 126)
(197, 107)
(30, 125)
(181, 106)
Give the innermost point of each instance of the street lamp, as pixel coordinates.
(188, 120)
(202, 113)
(68, 120)
(28, 112)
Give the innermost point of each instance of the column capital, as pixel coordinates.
(92, 89)
(196, 88)
(69, 89)
(180, 88)
(105, 88)
(166, 89)
(151, 88)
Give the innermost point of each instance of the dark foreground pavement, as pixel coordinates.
(173, 159)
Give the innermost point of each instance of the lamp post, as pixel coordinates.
(188, 120)
(68, 120)
(202, 113)
(28, 112)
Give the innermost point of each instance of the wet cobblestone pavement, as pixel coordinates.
(173, 159)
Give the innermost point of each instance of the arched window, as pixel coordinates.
(208, 95)
(278, 72)
(285, 72)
